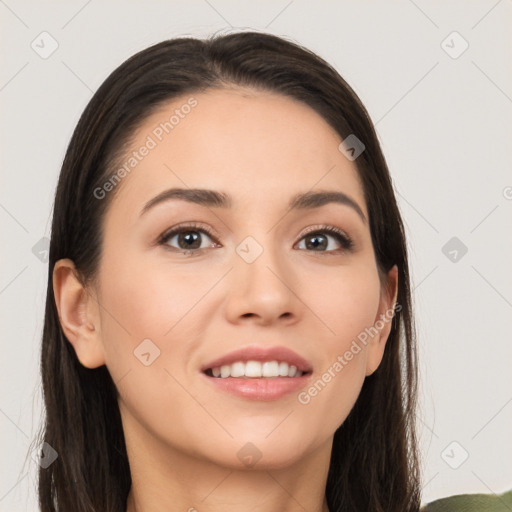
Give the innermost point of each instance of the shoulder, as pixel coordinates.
(472, 503)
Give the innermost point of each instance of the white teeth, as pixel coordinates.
(237, 370)
(270, 369)
(255, 369)
(283, 369)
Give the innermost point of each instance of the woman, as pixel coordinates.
(228, 320)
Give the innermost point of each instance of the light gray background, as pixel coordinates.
(445, 127)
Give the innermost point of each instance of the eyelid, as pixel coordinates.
(323, 227)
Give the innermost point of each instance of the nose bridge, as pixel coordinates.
(259, 278)
(255, 256)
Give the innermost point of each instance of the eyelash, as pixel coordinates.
(344, 240)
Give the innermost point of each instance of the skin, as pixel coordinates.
(182, 433)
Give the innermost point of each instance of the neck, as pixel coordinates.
(167, 478)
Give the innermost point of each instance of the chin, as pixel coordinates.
(261, 451)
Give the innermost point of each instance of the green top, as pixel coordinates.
(472, 503)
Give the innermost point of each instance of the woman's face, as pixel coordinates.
(258, 275)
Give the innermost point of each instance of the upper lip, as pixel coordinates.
(259, 353)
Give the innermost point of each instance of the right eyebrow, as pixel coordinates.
(203, 197)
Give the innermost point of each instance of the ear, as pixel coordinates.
(78, 314)
(383, 321)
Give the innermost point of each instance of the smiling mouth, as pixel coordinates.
(256, 370)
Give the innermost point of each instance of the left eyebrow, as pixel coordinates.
(216, 199)
(321, 198)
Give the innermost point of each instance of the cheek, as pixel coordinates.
(144, 307)
(346, 302)
(145, 321)
(144, 300)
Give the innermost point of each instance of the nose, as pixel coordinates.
(263, 290)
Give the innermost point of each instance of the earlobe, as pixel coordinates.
(383, 321)
(78, 314)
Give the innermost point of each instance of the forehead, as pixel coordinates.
(258, 146)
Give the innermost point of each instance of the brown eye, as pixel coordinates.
(319, 240)
(316, 241)
(187, 239)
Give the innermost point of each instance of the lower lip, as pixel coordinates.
(262, 389)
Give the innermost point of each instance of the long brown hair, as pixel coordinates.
(374, 464)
